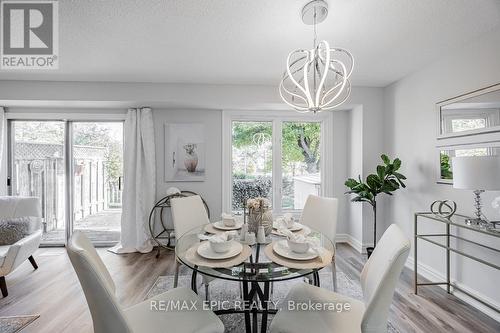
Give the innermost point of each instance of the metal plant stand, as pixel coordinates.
(456, 221)
(160, 233)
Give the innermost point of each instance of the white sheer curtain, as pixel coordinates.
(139, 175)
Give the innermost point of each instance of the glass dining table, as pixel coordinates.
(254, 272)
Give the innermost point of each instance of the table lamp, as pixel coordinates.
(477, 173)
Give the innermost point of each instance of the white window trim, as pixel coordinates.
(276, 117)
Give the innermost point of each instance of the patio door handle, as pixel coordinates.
(120, 183)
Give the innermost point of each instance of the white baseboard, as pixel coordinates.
(433, 275)
(342, 238)
(353, 242)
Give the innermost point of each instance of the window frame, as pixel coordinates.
(277, 118)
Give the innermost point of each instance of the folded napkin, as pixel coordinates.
(313, 242)
(226, 216)
(219, 238)
(284, 222)
(288, 218)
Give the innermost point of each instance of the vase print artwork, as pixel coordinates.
(185, 158)
(191, 158)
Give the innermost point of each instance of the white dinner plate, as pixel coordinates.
(206, 251)
(281, 248)
(220, 225)
(295, 227)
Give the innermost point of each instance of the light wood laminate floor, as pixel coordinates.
(54, 293)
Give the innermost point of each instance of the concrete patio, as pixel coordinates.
(102, 227)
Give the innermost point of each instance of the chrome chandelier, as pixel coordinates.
(316, 79)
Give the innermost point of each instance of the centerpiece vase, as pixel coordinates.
(260, 217)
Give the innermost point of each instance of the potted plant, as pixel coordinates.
(386, 180)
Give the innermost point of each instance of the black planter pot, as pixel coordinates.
(369, 251)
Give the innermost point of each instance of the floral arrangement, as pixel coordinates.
(190, 148)
(257, 203)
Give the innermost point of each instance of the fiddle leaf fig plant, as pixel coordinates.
(386, 180)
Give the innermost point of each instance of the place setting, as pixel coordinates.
(221, 250)
(227, 223)
(299, 251)
(288, 222)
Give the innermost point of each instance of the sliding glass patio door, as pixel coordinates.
(44, 153)
(38, 169)
(97, 161)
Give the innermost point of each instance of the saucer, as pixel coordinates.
(220, 225)
(205, 251)
(281, 248)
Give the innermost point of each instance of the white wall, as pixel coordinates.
(341, 152)
(355, 168)
(157, 95)
(411, 131)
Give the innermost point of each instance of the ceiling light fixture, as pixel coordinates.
(316, 79)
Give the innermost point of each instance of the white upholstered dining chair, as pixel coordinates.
(109, 317)
(378, 282)
(320, 213)
(187, 214)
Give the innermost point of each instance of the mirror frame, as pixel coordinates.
(459, 98)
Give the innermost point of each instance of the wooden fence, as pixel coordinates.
(38, 169)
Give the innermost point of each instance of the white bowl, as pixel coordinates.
(230, 222)
(298, 247)
(221, 247)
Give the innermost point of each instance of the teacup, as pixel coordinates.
(298, 247)
(221, 247)
(229, 221)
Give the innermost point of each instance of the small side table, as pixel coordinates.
(457, 221)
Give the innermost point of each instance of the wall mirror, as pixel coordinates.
(473, 113)
(446, 155)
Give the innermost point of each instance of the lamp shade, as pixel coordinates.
(476, 173)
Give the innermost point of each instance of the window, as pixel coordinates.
(277, 155)
(252, 161)
(300, 163)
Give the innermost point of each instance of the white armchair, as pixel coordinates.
(11, 256)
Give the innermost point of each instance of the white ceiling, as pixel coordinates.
(246, 41)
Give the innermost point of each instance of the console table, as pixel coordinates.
(457, 221)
